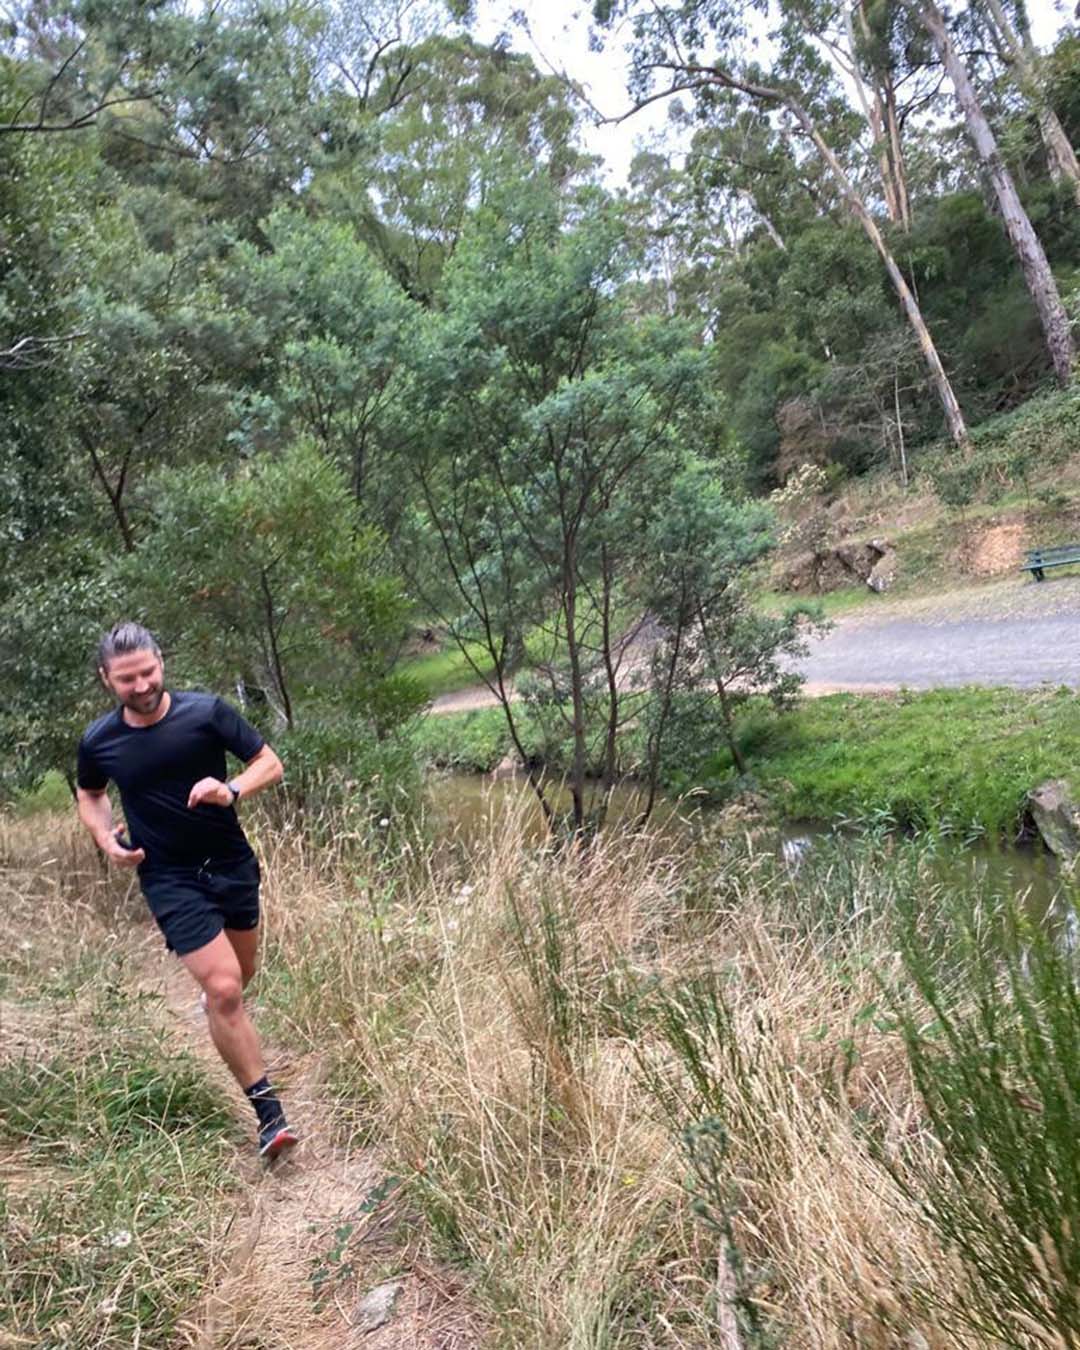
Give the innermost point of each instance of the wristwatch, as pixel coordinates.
(231, 785)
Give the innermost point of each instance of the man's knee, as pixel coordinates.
(223, 992)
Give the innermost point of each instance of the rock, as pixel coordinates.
(872, 561)
(883, 573)
(507, 767)
(1057, 818)
(743, 814)
(799, 574)
(793, 851)
(857, 558)
(376, 1307)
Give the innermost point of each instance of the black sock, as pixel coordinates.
(267, 1107)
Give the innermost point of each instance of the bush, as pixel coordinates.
(993, 1039)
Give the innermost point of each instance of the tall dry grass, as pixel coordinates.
(653, 1093)
(528, 1033)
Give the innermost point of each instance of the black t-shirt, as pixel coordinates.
(155, 768)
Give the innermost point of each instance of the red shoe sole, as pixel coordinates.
(282, 1140)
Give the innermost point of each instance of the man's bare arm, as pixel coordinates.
(95, 812)
(261, 771)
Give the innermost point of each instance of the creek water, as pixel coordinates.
(467, 805)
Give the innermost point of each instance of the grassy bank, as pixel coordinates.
(115, 1147)
(959, 759)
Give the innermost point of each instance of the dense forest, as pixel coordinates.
(318, 323)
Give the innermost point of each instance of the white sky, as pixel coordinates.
(559, 31)
(559, 40)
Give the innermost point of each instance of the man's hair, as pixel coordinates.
(123, 638)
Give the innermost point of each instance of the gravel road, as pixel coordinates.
(1012, 631)
(1006, 633)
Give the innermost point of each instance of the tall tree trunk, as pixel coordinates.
(1037, 274)
(896, 152)
(879, 109)
(949, 402)
(942, 387)
(1019, 53)
(1060, 156)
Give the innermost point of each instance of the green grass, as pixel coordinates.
(122, 1148)
(445, 672)
(471, 742)
(831, 603)
(948, 758)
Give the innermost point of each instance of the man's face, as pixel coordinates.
(137, 680)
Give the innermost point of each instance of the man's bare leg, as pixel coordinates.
(217, 968)
(245, 943)
(222, 972)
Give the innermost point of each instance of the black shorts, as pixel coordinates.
(193, 904)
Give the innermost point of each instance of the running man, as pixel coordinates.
(165, 751)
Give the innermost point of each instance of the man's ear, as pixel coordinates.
(102, 676)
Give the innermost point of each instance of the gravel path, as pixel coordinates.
(1011, 632)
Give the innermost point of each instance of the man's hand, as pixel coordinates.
(209, 790)
(117, 854)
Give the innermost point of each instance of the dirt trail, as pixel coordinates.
(290, 1219)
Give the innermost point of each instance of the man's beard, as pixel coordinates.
(145, 703)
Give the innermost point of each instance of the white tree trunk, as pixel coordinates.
(1021, 55)
(942, 386)
(719, 76)
(1037, 273)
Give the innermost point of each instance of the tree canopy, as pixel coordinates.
(318, 321)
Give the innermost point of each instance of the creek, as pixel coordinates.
(465, 806)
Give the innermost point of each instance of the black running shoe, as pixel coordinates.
(275, 1138)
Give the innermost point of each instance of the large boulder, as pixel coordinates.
(1057, 818)
(872, 561)
(883, 573)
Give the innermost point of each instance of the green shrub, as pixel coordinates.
(472, 742)
(992, 1030)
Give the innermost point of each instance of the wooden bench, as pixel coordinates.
(1036, 560)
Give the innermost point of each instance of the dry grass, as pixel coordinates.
(113, 1153)
(216, 1252)
(479, 1012)
(526, 1038)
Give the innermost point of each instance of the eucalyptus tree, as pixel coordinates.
(1057, 328)
(704, 46)
(333, 344)
(716, 651)
(266, 578)
(884, 59)
(462, 118)
(1009, 28)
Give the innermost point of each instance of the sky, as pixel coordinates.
(558, 39)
